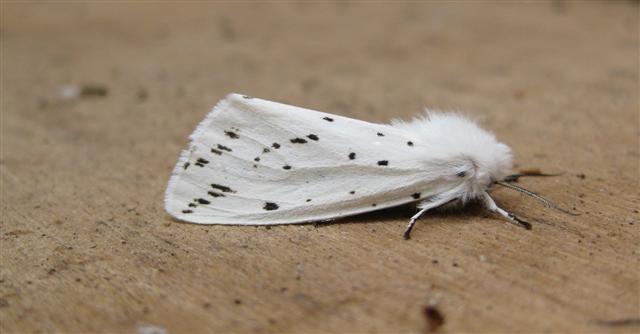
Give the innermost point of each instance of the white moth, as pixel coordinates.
(257, 162)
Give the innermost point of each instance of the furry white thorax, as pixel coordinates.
(468, 152)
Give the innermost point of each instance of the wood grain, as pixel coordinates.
(86, 245)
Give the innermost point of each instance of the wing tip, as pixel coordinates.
(184, 155)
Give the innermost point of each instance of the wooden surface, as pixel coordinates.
(87, 247)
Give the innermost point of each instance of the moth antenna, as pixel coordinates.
(424, 207)
(515, 177)
(545, 201)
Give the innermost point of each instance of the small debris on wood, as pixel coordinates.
(151, 330)
(72, 92)
(142, 95)
(620, 322)
(434, 318)
(581, 176)
(93, 91)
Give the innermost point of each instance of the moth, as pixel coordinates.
(258, 162)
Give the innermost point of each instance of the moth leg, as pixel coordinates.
(428, 205)
(491, 206)
(412, 222)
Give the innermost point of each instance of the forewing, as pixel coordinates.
(255, 162)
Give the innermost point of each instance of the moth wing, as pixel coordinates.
(257, 162)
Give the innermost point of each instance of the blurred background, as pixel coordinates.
(98, 99)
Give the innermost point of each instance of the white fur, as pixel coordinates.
(440, 156)
(454, 137)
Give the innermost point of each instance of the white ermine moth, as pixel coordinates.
(257, 162)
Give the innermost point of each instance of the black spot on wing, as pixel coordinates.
(266, 150)
(203, 201)
(308, 199)
(256, 159)
(270, 206)
(352, 192)
(409, 143)
(374, 205)
(461, 174)
(201, 162)
(352, 155)
(222, 188)
(247, 97)
(313, 137)
(214, 194)
(187, 211)
(286, 167)
(224, 148)
(380, 134)
(298, 141)
(186, 165)
(415, 195)
(383, 163)
(328, 119)
(214, 151)
(231, 134)
(275, 145)
(192, 205)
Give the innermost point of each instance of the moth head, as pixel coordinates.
(491, 163)
(496, 164)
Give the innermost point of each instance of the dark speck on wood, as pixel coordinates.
(433, 317)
